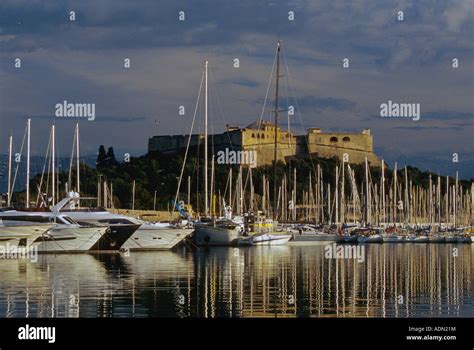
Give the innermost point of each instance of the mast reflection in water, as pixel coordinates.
(410, 280)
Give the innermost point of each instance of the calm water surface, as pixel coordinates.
(397, 280)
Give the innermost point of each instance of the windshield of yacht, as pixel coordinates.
(116, 221)
(67, 220)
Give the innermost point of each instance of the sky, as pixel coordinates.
(82, 61)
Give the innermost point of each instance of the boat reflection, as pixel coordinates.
(420, 280)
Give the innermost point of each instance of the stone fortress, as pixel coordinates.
(260, 137)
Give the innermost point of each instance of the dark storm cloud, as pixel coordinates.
(320, 103)
(82, 61)
(449, 115)
(243, 82)
(143, 24)
(314, 103)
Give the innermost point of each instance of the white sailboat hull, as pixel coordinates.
(375, 239)
(393, 239)
(269, 239)
(421, 239)
(207, 235)
(156, 238)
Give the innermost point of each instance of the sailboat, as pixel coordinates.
(226, 231)
(216, 232)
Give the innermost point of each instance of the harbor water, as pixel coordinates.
(393, 280)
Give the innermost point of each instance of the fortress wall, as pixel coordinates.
(324, 145)
(356, 145)
(231, 140)
(355, 156)
(361, 142)
(172, 143)
(263, 141)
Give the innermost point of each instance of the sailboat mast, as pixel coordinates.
(368, 199)
(446, 208)
(77, 160)
(206, 194)
(275, 155)
(395, 194)
(212, 207)
(28, 131)
(343, 191)
(383, 191)
(407, 198)
(456, 199)
(10, 150)
(53, 165)
(336, 196)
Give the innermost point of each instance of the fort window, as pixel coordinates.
(346, 139)
(258, 135)
(333, 139)
(253, 136)
(263, 136)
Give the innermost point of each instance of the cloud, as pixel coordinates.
(243, 82)
(389, 60)
(320, 103)
(458, 14)
(448, 115)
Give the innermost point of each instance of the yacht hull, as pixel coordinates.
(156, 238)
(114, 237)
(70, 239)
(21, 236)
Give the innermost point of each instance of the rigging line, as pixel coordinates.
(213, 83)
(226, 188)
(49, 170)
(288, 115)
(21, 153)
(298, 108)
(266, 96)
(189, 142)
(44, 168)
(71, 159)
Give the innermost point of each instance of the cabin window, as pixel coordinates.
(346, 139)
(333, 139)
